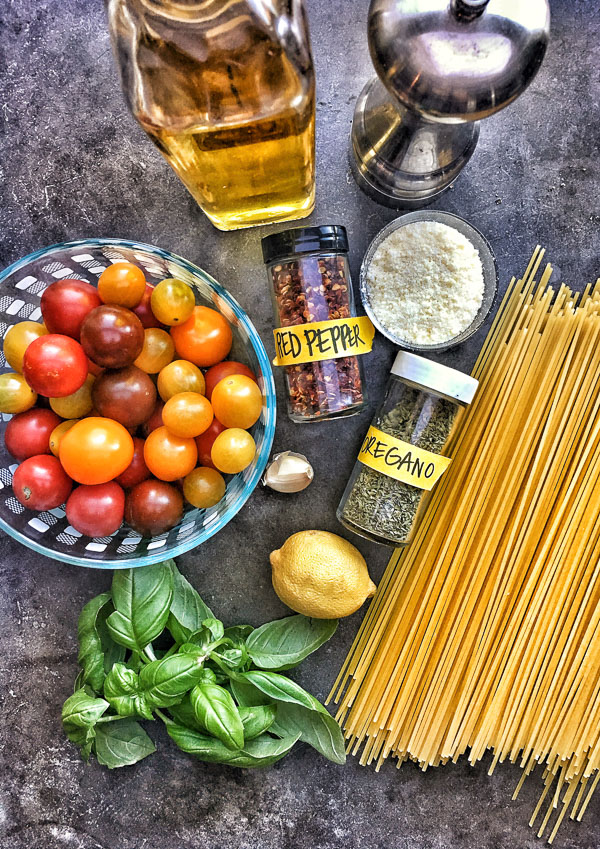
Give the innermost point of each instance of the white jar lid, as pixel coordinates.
(446, 381)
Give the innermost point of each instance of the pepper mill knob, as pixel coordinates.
(442, 66)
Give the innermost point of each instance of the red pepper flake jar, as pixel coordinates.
(310, 281)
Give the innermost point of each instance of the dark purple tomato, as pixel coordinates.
(66, 303)
(112, 336)
(126, 395)
(153, 507)
(137, 471)
(144, 310)
(155, 421)
(96, 510)
(41, 483)
(28, 433)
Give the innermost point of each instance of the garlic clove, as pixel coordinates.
(288, 472)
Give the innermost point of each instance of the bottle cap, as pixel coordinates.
(305, 240)
(443, 380)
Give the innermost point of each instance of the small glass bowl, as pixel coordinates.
(488, 262)
(48, 532)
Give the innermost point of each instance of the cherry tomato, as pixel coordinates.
(137, 471)
(203, 487)
(237, 401)
(66, 303)
(17, 339)
(78, 404)
(126, 395)
(123, 284)
(96, 450)
(153, 507)
(172, 301)
(16, 395)
(157, 352)
(180, 376)
(58, 433)
(204, 339)
(168, 456)
(41, 483)
(204, 443)
(144, 309)
(233, 450)
(225, 369)
(96, 511)
(112, 336)
(187, 414)
(55, 365)
(28, 434)
(155, 419)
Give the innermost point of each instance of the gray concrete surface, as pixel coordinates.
(74, 164)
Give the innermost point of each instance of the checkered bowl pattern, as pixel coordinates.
(48, 532)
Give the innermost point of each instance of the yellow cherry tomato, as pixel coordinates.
(237, 401)
(233, 450)
(58, 433)
(203, 487)
(122, 283)
(16, 395)
(172, 301)
(157, 352)
(77, 405)
(187, 414)
(180, 376)
(17, 339)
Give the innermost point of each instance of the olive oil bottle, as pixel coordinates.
(225, 89)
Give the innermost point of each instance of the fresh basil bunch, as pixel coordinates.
(218, 690)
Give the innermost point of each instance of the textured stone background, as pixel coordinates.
(74, 164)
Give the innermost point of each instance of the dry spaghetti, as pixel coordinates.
(485, 632)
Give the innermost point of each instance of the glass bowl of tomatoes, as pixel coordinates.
(90, 430)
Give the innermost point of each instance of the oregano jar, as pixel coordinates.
(401, 457)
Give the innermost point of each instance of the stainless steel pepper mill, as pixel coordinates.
(442, 65)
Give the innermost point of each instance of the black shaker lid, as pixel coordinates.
(304, 240)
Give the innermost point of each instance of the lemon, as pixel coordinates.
(321, 575)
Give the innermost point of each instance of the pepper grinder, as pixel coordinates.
(442, 65)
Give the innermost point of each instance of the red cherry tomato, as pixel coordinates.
(28, 434)
(55, 365)
(155, 419)
(204, 443)
(66, 303)
(204, 339)
(144, 310)
(96, 511)
(41, 483)
(153, 507)
(225, 369)
(137, 471)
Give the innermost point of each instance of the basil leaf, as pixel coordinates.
(183, 714)
(82, 710)
(257, 720)
(217, 713)
(122, 743)
(141, 598)
(200, 745)
(281, 689)
(122, 691)
(319, 730)
(91, 651)
(191, 648)
(188, 611)
(82, 737)
(247, 695)
(263, 751)
(215, 627)
(238, 634)
(165, 682)
(260, 752)
(232, 658)
(286, 642)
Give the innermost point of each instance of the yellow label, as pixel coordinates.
(401, 460)
(323, 340)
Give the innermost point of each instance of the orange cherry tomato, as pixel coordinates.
(76, 405)
(95, 450)
(16, 395)
(168, 456)
(187, 414)
(180, 376)
(237, 401)
(172, 301)
(204, 339)
(157, 352)
(233, 450)
(225, 369)
(203, 487)
(18, 338)
(58, 433)
(123, 284)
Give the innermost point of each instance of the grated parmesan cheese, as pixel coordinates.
(425, 283)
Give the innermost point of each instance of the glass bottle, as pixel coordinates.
(226, 91)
